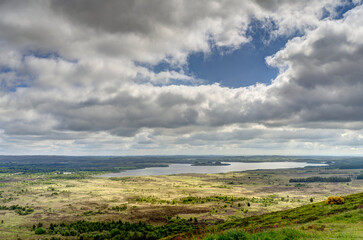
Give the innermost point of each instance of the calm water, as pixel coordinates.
(188, 168)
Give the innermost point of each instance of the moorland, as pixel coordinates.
(59, 197)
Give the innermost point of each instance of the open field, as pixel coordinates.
(211, 198)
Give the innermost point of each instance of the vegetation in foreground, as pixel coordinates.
(238, 234)
(199, 203)
(256, 227)
(324, 220)
(344, 225)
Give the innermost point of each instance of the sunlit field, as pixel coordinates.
(210, 198)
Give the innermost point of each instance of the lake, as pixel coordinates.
(188, 168)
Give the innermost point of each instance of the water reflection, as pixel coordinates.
(188, 168)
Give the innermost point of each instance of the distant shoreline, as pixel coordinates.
(182, 168)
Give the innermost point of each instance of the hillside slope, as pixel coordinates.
(313, 221)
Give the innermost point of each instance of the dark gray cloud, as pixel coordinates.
(138, 17)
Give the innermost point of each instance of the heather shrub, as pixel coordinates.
(334, 200)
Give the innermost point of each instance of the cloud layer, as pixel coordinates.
(74, 78)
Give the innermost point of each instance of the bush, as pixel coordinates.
(18, 209)
(115, 232)
(120, 208)
(334, 200)
(39, 231)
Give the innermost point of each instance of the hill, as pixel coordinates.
(313, 221)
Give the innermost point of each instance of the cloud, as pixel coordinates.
(77, 75)
(323, 81)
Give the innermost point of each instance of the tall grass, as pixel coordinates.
(278, 234)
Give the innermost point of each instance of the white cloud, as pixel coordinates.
(74, 80)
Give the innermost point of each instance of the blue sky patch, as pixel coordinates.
(239, 68)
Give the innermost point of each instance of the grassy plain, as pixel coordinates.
(211, 198)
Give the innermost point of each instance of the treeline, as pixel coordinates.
(46, 164)
(348, 163)
(120, 230)
(321, 179)
(352, 166)
(37, 164)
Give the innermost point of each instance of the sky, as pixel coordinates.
(181, 77)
